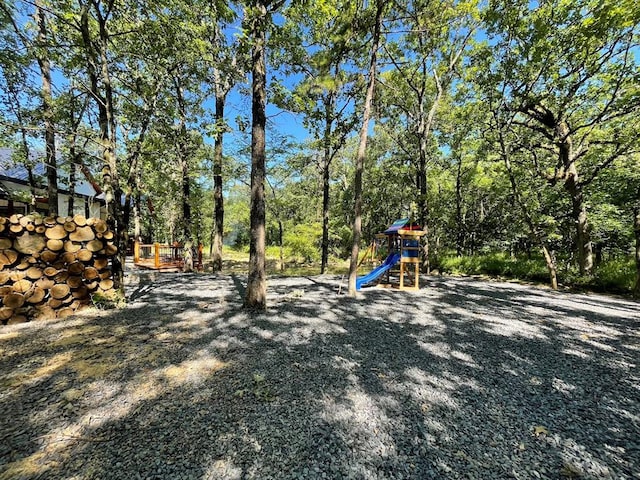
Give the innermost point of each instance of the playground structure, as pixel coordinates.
(158, 256)
(403, 240)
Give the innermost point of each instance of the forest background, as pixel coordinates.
(508, 129)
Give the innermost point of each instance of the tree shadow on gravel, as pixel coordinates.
(463, 379)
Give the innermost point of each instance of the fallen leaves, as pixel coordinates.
(540, 430)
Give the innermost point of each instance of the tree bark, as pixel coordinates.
(329, 107)
(96, 56)
(583, 236)
(72, 185)
(25, 151)
(549, 256)
(256, 293)
(47, 110)
(362, 148)
(281, 244)
(575, 189)
(218, 235)
(552, 266)
(75, 154)
(567, 170)
(137, 207)
(636, 229)
(183, 159)
(325, 218)
(460, 230)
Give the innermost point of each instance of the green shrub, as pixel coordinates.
(303, 241)
(616, 275)
(496, 264)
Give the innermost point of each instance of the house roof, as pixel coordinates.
(11, 171)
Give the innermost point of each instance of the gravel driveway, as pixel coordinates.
(463, 379)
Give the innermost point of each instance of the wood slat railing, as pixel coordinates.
(162, 255)
(157, 255)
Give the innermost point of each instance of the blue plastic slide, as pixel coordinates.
(376, 272)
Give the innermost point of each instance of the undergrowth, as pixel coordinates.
(615, 275)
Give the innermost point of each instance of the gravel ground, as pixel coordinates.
(463, 379)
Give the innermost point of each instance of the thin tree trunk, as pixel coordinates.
(72, 182)
(329, 105)
(579, 210)
(137, 224)
(459, 220)
(75, 153)
(573, 186)
(256, 293)
(636, 229)
(47, 110)
(325, 219)
(549, 256)
(32, 188)
(281, 244)
(185, 182)
(552, 266)
(362, 148)
(183, 160)
(27, 161)
(583, 236)
(96, 55)
(218, 231)
(424, 207)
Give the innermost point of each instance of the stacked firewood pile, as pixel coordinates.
(51, 266)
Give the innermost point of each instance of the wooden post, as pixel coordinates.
(156, 247)
(389, 247)
(136, 252)
(409, 255)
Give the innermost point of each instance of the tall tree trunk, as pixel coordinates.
(636, 229)
(552, 265)
(137, 224)
(75, 153)
(425, 127)
(583, 236)
(549, 256)
(183, 160)
(325, 217)
(256, 293)
(187, 238)
(47, 110)
(218, 232)
(72, 183)
(281, 244)
(32, 188)
(327, 157)
(96, 56)
(575, 189)
(460, 230)
(185, 182)
(362, 148)
(27, 161)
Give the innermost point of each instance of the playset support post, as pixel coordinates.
(410, 255)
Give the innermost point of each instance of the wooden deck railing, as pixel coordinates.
(162, 255)
(157, 255)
